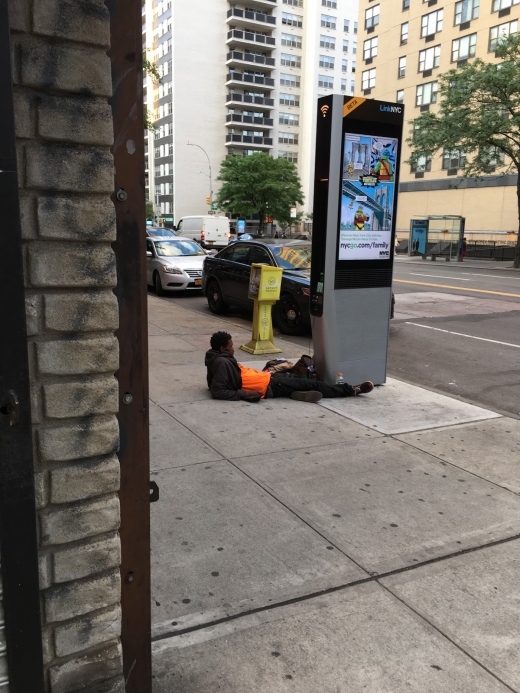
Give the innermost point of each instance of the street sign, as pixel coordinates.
(293, 212)
(241, 225)
(213, 206)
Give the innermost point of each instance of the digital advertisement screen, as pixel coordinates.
(367, 201)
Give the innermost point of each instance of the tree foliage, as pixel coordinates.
(152, 71)
(259, 184)
(150, 210)
(479, 113)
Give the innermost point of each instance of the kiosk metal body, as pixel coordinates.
(358, 148)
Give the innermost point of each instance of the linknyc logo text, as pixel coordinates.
(390, 109)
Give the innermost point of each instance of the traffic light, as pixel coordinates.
(208, 199)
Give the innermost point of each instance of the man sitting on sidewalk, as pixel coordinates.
(227, 379)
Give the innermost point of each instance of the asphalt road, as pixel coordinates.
(456, 329)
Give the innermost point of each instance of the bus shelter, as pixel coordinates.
(437, 235)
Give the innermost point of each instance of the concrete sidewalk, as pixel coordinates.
(363, 545)
(473, 263)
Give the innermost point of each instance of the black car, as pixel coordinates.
(225, 280)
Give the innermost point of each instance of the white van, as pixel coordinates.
(209, 231)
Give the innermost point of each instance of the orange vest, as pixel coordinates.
(254, 380)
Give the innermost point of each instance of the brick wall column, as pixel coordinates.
(62, 82)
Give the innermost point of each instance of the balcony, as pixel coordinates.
(237, 78)
(249, 18)
(248, 38)
(257, 102)
(233, 140)
(237, 120)
(237, 58)
(262, 5)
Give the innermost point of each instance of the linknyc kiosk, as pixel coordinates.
(358, 147)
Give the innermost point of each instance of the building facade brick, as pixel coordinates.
(62, 85)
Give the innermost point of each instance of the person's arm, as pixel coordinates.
(221, 386)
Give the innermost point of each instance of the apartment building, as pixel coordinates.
(404, 46)
(239, 78)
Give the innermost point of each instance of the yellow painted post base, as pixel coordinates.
(263, 339)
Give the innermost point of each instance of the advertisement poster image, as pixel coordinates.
(367, 200)
(254, 282)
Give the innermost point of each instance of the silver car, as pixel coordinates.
(174, 264)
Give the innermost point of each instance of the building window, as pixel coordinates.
(503, 4)
(402, 67)
(290, 156)
(355, 27)
(289, 80)
(291, 19)
(431, 23)
(423, 163)
(368, 79)
(328, 21)
(466, 10)
(503, 30)
(429, 58)
(291, 40)
(352, 85)
(463, 48)
(289, 119)
(399, 97)
(426, 94)
(344, 65)
(327, 42)
(353, 66)
(453, 158)
(156, 152)
(406, 5)
(370, 48)
(330, 3)
(346, 25)
(296, 3)
(354, 47)
(343, 85)
(249, 152)
(404, 32)
(289, 100)
(170, 149)
(287, 138)
(493, 157)
(372, 17)
(326, 82)
(345, 46)
(327, 61)
(290, 60)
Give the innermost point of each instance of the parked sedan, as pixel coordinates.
(174, 264)
(225, 280)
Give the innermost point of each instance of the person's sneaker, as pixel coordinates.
(363, 389)
(307, 396)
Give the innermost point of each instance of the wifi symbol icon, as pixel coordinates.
(324, 110)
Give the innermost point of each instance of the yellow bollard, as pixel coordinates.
(265, 283)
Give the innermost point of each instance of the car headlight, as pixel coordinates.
(171, 270)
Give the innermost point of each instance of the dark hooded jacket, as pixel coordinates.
(223, 375)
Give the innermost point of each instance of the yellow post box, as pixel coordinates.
(265, 283)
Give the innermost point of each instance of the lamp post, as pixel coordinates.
(191, 144)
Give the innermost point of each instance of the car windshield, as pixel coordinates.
(176, 248)
(160, 232)
(295, 257)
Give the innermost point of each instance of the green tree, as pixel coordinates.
(259, 184)
(149, 210)
(479, 115)
(152, 71)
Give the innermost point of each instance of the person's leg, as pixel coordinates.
(283, 386)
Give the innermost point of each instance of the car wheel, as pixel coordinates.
(288, 317)
(216, 301)
(157, 284)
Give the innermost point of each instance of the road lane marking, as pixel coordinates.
(439, 276)
(489, 276)
(457, 288)
(460, 334)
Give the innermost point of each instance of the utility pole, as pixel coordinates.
(191, 144)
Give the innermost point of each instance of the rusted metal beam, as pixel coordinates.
(129, 199)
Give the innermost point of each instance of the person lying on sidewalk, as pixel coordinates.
(227, 379)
